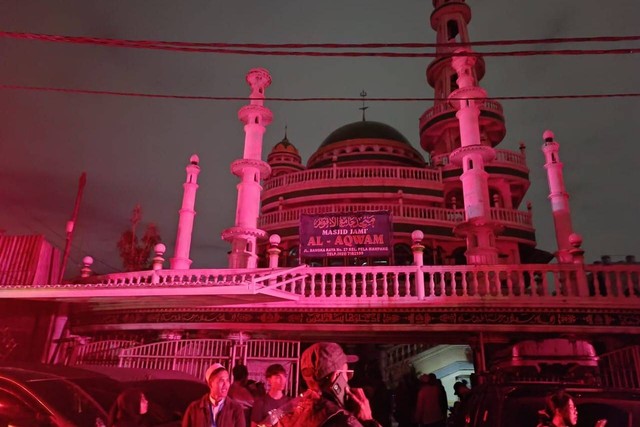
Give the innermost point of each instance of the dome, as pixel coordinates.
(285, 146)
(364, 129)
(366, 143)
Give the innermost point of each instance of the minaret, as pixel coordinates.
(251, 170)
(180, 260)
(478, 228)
(559, 198)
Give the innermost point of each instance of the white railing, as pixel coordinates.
(399, 354)
(446, 107)
(429, 213)
(101, 353)
(521, 283)
(502, 156)
(512, 216)
(450, 284)
(436, 110)
(621, 368)
(342, 173)
(508, 156)
(203, 277)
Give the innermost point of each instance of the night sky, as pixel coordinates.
(134, 150)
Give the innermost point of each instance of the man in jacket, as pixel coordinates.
(215, 409)
(329, 402)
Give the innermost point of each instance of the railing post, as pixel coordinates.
(418, 249)
(158, 260)
(575, 240)
(273, 252)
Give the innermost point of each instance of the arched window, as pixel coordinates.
(452, 30)
(402, 254)
(458, 256)
(292, 257)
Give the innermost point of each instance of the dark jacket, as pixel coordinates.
(198, 414)
(314, 410)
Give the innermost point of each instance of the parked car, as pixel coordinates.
(32, 398)
(506, 405)
(36, 395)
(169, 392)
(169, 398)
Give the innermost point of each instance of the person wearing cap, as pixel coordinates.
(329, 401)
(215, 409)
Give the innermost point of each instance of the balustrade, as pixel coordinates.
(524, 283)
(430, 213)
(342, 173)
(608, 284)
(502, 156)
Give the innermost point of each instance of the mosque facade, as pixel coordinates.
(370, 241)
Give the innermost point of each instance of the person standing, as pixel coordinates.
(276, 377)
(239, 390)
(215, 409)
(561, 411)
(428, 403)
(130, 410)
(329, 401)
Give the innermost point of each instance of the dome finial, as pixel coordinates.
(285, 132)
(363, 94)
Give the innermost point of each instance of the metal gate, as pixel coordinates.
(195, 356)
(259, 354)
(190, 356)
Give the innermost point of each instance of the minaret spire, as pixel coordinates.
(251, 170)
(559, 197)
(363, 95)
(478, 228)
(180, 260)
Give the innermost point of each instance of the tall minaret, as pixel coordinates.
(559, 197)
(251, 170)
(180, 260)
(478, 228)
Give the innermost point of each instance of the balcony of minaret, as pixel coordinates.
(510, 166)
(406, 218)
(349, 182)
(442, 117)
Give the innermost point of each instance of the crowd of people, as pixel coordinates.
(329, 400)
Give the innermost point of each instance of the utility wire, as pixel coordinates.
(257, 49)
(308, 99)
(125, 42)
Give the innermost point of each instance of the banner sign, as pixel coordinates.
(359, 234)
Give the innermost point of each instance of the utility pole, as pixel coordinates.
(71, 225)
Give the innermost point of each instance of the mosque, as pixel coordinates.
(414, 258)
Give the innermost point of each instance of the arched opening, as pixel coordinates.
(402, 254)
(453, 83)
(495, 199)
(452, 31)
(292, 257)
(454, 199)
(458, 257)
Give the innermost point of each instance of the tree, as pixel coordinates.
(135, 253)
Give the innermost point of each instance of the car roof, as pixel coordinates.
(515, 390)
(35, 370)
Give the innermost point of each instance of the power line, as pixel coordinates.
(258, 49)
(124, 42)
(308, 99)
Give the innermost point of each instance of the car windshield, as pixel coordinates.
(69, 401)
(590, 410)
